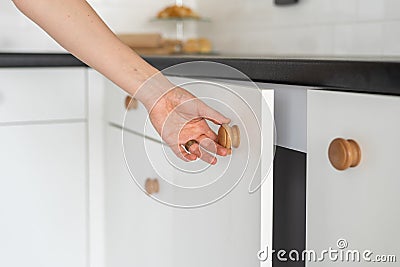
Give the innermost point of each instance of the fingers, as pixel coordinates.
(202, 154)
(212, 146)
(213, 136)
(212, 115)
(200, 150)
(206, 145)
(183, 154)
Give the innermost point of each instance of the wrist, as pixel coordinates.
(153, 90)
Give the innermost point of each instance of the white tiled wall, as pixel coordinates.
(312, 27)
(19, 34)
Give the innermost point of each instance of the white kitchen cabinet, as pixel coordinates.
(136, 119)
(43, 174)
(43, 195)
(359, 204)
(203, 215)
(42, 94)
(138, 229)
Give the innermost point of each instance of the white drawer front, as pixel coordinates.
(206, 235)
(359, 204)
(137, 227)
(43, 195)
(136, 119)
(35, 94)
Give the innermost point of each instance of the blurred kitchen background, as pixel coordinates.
(252, 27)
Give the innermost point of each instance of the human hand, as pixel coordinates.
(179, 117)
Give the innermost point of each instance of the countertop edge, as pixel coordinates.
(13, 60)
(361, 76)
(341, 75)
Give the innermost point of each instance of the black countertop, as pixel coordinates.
(369, 75)
(38, 60)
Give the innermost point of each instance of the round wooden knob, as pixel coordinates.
(151, 186)
(229, 136)
(344, 154)
(131, 103)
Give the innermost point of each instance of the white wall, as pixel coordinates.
(312, 27)
(19, 34)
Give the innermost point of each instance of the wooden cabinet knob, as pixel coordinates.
(152, 186)
(131, 103)
(344, 154)
(229, 136)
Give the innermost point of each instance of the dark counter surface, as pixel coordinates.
(370, 75)
(38, 60)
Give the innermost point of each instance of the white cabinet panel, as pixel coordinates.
(359, 204)
(135, 119)
(138, 229)
(43, 195)
(141, 231)
(32, 94)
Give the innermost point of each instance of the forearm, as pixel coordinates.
(176, 114)
(77, 27)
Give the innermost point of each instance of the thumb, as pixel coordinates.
(212, 115)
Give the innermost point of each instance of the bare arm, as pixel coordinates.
(77, 27)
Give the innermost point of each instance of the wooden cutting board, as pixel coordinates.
(141, 40)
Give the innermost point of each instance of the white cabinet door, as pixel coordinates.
(203, 215)
(43, 195)
(138, 229)
(360, 204)
(135, 119)
(42, 94)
